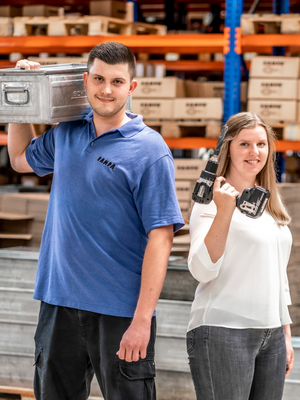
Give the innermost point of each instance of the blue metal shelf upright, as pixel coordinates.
(233, 56)
(232, 70)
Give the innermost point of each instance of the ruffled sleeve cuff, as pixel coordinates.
(201, 266)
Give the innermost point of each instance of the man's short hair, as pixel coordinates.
(113, 53)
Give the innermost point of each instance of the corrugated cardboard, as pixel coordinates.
(211, 89)
(184, 189)
(153, 108)
(42, 11)
(188, 168)
(192, 88)
(114, 9)
(282, 110)
(271, 88)
(198, 108)
(168, 88)
(292, 132)
(275, 67)
(184, 208)
(10, 11)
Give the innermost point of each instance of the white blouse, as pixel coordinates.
(248, 286)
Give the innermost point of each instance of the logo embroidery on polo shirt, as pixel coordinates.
(106, 162)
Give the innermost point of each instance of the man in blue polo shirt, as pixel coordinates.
(108, 234)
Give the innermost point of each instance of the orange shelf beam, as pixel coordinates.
(265, 40)
(196, 143)
(154, 44)
(3, 139)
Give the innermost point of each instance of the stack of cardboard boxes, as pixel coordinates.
(32, 204)
(274, 92)
(170, 102)
(187, 171)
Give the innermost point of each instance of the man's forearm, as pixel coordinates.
(153, 273)
(135, 340)
(19, 137)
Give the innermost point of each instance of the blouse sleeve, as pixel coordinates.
(199, 261)
(287, 292)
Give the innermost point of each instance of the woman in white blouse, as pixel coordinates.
(239, 338)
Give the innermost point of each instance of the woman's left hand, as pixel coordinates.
(289, 350)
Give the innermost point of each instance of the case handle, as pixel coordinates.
(16, 89)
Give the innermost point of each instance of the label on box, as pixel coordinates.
(283, 110)
(184, 189)
(188, 168)
(159, 88)
(197, 108)
(273, 89)
(277, 67)
(156, 108)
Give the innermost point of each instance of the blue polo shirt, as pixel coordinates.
(107, 193)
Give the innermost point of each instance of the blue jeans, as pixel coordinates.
(237, 364)
(73, 345)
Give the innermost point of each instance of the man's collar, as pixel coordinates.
(129, 129)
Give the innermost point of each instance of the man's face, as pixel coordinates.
(108, 87)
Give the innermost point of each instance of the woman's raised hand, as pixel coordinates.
(224, 195)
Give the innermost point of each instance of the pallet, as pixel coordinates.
(270, 23)
(25, 393)
(86, 25)
(6, 26)
(186, 128)
(58, 60)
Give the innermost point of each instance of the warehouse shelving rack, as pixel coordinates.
(232, 43)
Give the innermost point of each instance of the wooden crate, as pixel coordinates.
(6, 26)
(86, 25)
(270, 23)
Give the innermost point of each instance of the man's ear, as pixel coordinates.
(85, 76)
(133, 85)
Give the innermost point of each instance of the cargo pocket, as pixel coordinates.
(37, 356)
(137, 379)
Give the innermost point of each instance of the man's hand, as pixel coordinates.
(25, 64)
(134, 342)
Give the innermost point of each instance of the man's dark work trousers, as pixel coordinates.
(73, 345)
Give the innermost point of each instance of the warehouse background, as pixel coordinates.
(198, 62)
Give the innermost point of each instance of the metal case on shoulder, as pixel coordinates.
(54, 93)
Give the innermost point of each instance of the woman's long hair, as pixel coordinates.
(267, 176)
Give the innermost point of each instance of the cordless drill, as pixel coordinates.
(251, 202)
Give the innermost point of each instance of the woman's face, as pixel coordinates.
(249, 152)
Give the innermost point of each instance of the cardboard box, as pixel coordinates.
(270, 88)
(42, 11)
(168, 88)
(188, 168)
(154, 108)
(198, 108)
(184, 189)
(275, 67)
(211, 89)
(185, 209)
(114, 9)
(291, 132)
(192, 88)
(274, 110)
(10, 11)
